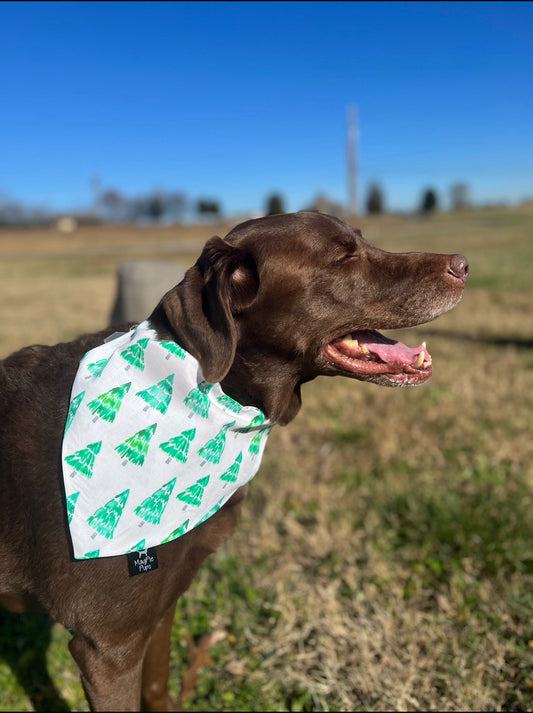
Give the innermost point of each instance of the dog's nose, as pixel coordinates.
(458, 266)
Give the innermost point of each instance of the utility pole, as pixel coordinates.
(351, 157)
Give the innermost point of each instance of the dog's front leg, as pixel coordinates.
(111, 675)
(156, 666)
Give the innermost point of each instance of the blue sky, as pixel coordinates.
(235, 100)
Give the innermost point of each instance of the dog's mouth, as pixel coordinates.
(369, 355)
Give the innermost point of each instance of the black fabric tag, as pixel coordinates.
(143, 561)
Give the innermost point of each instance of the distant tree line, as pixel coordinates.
(375, 201)
(14, 213)
(154, 207)
(111, 205)
(429, 201)
(159, 206)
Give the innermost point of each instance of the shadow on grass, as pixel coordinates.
(24, 640)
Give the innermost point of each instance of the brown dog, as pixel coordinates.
(278, 302)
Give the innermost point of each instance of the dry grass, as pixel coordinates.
(385, 557)
(56, 286)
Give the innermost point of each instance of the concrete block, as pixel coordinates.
(140, 286)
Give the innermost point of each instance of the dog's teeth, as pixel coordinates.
(419, 360)
(364, 349)
(352, 343)
(424, 344)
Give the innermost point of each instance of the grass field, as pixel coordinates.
(385, 556)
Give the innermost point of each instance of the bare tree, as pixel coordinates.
(460, 196)
(112, 204)
(175, 205)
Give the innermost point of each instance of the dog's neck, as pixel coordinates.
(251, 385)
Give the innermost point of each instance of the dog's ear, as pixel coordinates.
(201, 310)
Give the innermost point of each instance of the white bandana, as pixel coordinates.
(150, 449)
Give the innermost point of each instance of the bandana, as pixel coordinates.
(150, 449)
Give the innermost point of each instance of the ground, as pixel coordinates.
(385, 557)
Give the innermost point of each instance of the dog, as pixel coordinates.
(278, 302)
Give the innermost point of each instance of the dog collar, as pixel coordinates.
(150, 449)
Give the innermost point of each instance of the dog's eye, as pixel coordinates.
(346, 258)
(343, 250)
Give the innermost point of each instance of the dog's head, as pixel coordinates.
(286, 298)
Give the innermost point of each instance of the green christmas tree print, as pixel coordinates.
(91, 555)
(107, 405)
(105, 519)
(210, 513)
(135, 448)
(256, 421)
(74, 405)
(82, 461)
(229, 403)
(71, 504)
(178, 532)
(159, 395)
(151, 509)
(138, 547)
(178, 447)
(198, 399)
(255, 443)
(213, 449)
(134, 355)
(230, 475)
(175, 349)
(97, 367)
(193, 495)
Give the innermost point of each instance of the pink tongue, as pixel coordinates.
(387, 349)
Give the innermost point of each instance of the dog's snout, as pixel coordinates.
(458, 266)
